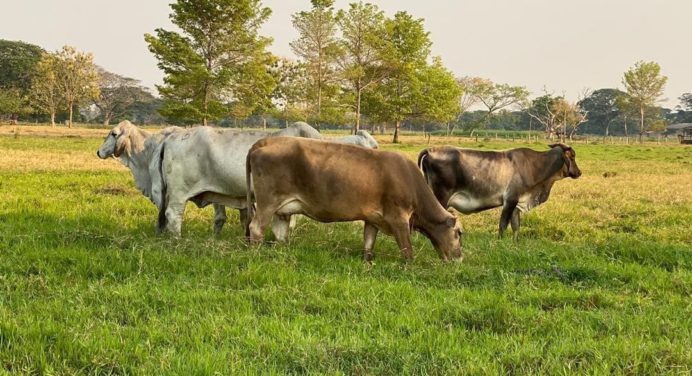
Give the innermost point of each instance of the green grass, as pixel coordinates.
(599, 281)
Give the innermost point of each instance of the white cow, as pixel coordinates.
(141, 152)
(361, 138)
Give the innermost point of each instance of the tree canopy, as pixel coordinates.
(208, 63)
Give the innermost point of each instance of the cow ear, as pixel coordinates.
(451, 221)
(553, 145)
(122, 143)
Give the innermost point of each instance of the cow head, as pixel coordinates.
(123, 138)
(446, 238)
(570, 168)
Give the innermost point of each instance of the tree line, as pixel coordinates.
(47, 86)
(355, 67)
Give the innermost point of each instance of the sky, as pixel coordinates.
(558, 46)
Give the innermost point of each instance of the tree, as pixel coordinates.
(17, 63)
(686, 101)
(290, 92)
(146, 109)
(405, 50)
(77, 78)
(13, 103)
(602, 107)
(218, 45)
(558, 116)
(469, 87)
(496, 97)
(45, 91)
(570, 115)
(318, 47)
(362, 27)
(542, 109)
(644, 84)
(440, 94)
(117, 94)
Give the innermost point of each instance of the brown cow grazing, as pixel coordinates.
(471, 181)
(332, 182)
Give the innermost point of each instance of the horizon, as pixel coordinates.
(596, 55)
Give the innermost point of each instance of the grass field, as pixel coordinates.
(599, 281)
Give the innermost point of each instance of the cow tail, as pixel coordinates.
(248, 194)
(164, 194)
(422, 157)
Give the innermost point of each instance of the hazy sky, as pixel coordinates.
(564, 46)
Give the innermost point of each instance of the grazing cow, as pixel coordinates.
(361, 138)
(471, 181)
(331, 182)
(141, 152)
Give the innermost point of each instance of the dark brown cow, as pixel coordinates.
(518, 180)
(332, 182)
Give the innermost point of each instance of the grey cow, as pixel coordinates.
(191, 168)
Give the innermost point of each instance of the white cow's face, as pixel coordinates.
(115, 143)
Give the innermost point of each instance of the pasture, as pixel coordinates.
(598, 282)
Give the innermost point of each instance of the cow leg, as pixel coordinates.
(506, 216)
(516, 222)
(219, 217)
(242, 215)
(292, 221)
(174, 216)
(402, 234)
(259, 221)
(281, 227)
(369, 236)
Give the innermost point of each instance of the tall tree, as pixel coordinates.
(496, 97)
(602, 107)
(318, 48)
(17, 63)
(406, 46)
(290, 91)
(362, 27)
(542, 109)
(440, 94)
(45, 92)
(77, 78)
(117, 94)
(469, 87)
(644, 84)
(219, 43)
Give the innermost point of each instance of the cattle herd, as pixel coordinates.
(271, 177)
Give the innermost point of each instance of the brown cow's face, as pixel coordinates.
(570, 168)
(448, 239)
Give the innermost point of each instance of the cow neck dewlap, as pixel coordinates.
(138, 161)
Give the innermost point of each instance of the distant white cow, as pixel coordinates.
(218, 151)
(361, 138)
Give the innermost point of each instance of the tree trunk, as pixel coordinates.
(52, 118)
(319, 99)
(106, 120)
(357, 127)
(607, 126)
(396, 132)
(641, 122)
(14, 119)
(264, 124)
(69, 121)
